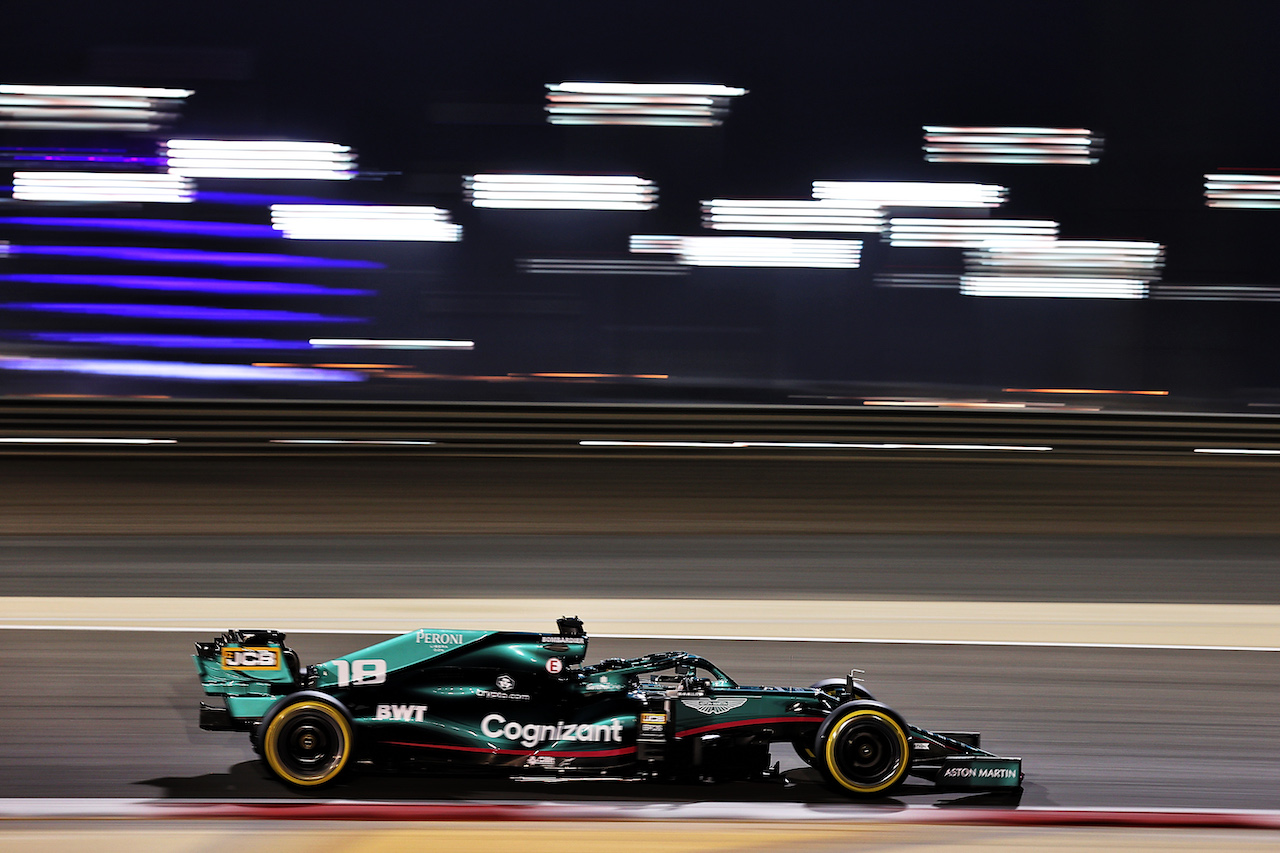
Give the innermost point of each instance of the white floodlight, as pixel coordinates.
(754, 251)
(601, 266)
(254, 159)
(967, 233)
(911, 193)
(103, 108)
(101, 187)
(1242, 191)
(791, 215)
(561, 192)
(1053, 286)
(1094, 269)
(1059, 146)
(390, 343)
(364, 222)
(651, 104)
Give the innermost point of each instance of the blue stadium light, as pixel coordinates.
(166, 341)
(179, 312)
(188, 285)
(179, 370)
(182, 227)
(193, 256)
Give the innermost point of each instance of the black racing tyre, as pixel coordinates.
(837, 686)
(863, 749)
(831, 686)
(307, 742)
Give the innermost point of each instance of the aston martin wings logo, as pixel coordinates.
(714, 706)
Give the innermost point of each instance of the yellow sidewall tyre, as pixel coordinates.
(307, 743)
(864, 750)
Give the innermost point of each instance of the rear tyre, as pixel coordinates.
(863, 749)
(307, 743)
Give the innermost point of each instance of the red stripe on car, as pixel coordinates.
(753, 722)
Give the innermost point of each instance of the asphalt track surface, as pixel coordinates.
(647, 492)
(112, 714)
(1018, 567)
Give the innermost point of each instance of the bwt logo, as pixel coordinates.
(250, 658)
(404, 713)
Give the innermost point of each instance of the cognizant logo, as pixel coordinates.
(532, 734)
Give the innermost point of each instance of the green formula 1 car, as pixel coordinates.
(523, 704)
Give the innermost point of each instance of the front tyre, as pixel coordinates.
(863, 749)
(307, 743)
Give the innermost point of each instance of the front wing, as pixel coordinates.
(955, 760)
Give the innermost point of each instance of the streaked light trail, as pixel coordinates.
(792, 215)
(1058, 287)
(1090, 269)
(391, 343)
(911, 193)
(78, 108)
(1237, 451)
(178, 312)
(600, 266)
(1246, 191)
(1082, 391)
(639, 104)
(1060, 146)
(95, 441)
(815, 445)
(193, 256)
(102, 187)
(191, 228)
(188, 285)
(178, 370)
(364, 222)
(260, 159)
(561, 192)
(967, 233)
(1217, 292)
(753, 251)
(126, 339)
(373, 441)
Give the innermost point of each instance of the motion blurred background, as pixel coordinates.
(1063, 197)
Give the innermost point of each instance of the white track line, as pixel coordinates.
(694, 638)
(1232, 627)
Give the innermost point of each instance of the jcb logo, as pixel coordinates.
(250, 658)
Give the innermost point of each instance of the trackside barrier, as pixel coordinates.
(353, 810)
(280, 427)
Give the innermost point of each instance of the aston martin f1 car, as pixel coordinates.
(525, 705)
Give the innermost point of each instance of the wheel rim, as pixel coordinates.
(867, 752)
(307, 744)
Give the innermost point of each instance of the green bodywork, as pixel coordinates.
(525, 702)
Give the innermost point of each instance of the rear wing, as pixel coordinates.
(250, 669)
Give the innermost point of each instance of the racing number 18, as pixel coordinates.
(371, 671)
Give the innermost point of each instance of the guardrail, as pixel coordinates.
(537, 429)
